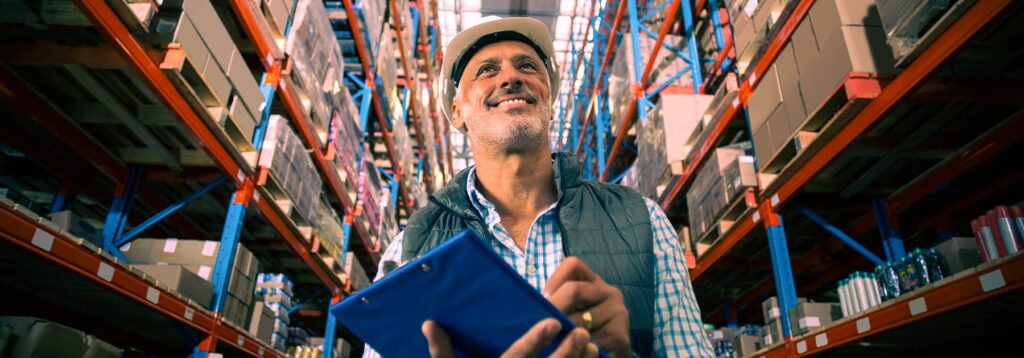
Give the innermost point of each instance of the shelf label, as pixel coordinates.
(152, 295)
(821, 340)
(209, 248)
(863, 325)
(256, 196)
(189, 313)
(261, 352)
(756, 217)
(42, 240)
(240, 176)
(992, 280)
(736, 102)
(105, 272)
(801, 347)
(241, 341)
(918, 306)
(753, 78)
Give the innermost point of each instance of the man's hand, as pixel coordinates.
(529, 345)
(576, 290)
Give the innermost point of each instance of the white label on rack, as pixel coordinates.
(750, 7)
(812, 321)
(746, 159)
(241, 341)
(215, 355)
(753, 78)
(171, 245)
(189, 313)
(152, 295)
(126, 247)
(756, 217)
(736, 102)
(918, 306)
(775, 199)
(992, 280)
(263, 105)
(105, 272)
(821, 340)
(240, 176)
(204, 272)
(768, 340)
(801, 347)
(261, 352)
(209, 248)
(256, 196)
(774, 312)
(863, 325)
(42, 240)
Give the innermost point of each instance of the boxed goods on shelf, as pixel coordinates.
(770, 308)
(623, 76)
(341, 348)
(960, 253)
(907, 23)
(315, 61)
(771, 333)
(354, 272)
(660, 139)
(213, 73)
(36, 337)
(917, 269)
(298, 184)
(999, 232)
(346, 136)
(272, 18)
(752, 22)
(90, 230)
(274, 290)
(858, 292)
(809, 316)
(328, 228)
(744, 345)
(387, 65)
(716, 185)
(371, 23)
(370, 187)
(181, 280)
(200, 256)
(262, 324)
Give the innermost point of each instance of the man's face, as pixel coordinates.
(504, 99)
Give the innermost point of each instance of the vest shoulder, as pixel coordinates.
(616, 189)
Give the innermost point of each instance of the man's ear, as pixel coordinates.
(457, 121)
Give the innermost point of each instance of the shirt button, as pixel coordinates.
(531, 269)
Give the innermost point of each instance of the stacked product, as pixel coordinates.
(346, 135)
(356, 274)
(194, 25)
(752, 21)
(917, 269)
(370, 194)
(174, 261)
(387, 70)
(315, 349)
(88, 229)
(747, 340)
(726, 174)
(402, 7)
(999, 231)
(35, 337)
(372, 16)
(297, 336)
(723, 349)
(317, 67)
(835, 39)
(906, 22)
(286, 157)
(858, 292)
(660, 139)
(275, 292)
(328, 228)
(960, 253)
(625, 66)
(810, 316)
(388, 219)
(772, 332)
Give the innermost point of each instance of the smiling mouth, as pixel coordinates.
(512, 102)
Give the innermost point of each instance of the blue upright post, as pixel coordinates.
(890, 236)
(229, 239)
(330, 330)
(691, 42)
(117, 217)
(62, 199)
(781, 267)
(730, 315)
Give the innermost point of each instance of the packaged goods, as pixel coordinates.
(810, 316)
(858, 292)
(770, 308)
(715, 187)
(286, 157)
(959, 253)
(182, 280)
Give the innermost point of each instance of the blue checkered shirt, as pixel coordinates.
(677, 323)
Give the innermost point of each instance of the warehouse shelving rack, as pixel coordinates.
(883, 97)
(23, 228)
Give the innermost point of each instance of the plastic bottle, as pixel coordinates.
(861, 288)
(938, 269)
(983, 247)
(884, 289)
(1008, 232)
(842, 297)
(989, 234)
(873, 287)
(921, 266)
(1018, 218)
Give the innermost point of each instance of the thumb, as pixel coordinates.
(438, 343)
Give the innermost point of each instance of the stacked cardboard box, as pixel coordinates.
(744, 345)
(370, 183)
(835, 39)
(717, 184)
(196, 26)
(810, 316)
(36, 337)
(355, 273)
(317, 64)
(660, 139)
(387, 68)
(182, 280)
(346, 137)
(286, 157)
(341, 348)
(275, 292)
(752, 21)
(623, 76)
(388, 219)
(327, 228)
(200, 256)
(262, 324)
(372, 16)
(90, 230)
(960, 253)
(772, 332)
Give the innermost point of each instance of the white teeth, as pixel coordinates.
(511, 102)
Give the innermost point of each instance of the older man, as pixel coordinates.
(601, 253)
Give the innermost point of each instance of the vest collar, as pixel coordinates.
(454, 197)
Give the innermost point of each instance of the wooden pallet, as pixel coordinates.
(299, 89)
(740, 206)
(283, 202)
(848, 99)
(188, 78)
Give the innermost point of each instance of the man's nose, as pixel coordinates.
(511, 79)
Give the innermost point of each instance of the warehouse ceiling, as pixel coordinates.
(562, 17)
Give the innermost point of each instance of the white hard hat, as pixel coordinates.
(493, 29)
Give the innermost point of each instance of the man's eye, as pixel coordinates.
(485, 68)
(529, 65)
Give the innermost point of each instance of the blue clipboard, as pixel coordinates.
(463, 285)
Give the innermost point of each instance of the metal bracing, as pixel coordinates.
(117, 217)
(138, 229)
(891, 240)
(840, 234)
(782, 269)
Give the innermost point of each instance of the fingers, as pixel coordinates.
(438, 343)
(537, 338)
(571, 269)
(575, 296)
(575, 344)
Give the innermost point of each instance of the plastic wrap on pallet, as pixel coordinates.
(328, 228)
(345, 136)
(709, 192)
(387, 65)
(650, 165)
(370, 186)
(371, 23)
(317, 63)
(355, 272)
(286, 157)
(660, 140)
(622, 76)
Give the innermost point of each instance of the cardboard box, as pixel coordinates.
(779, 122)
(182, 280)
(98, 348)
(681, 114)
(808, 316)
(218, 82)
(847, 49)
(771, 333)
(763, 145)
(828, 15)
(237, 311)
(262, 324)
(34, 337)
(198, 256)
(68, 221)
(744, 345)
(722, 334)
(765, 98)
(961, 253)
(770, 308)
(805, 43)
(245, 84)
(738, 176)
(788, 72)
